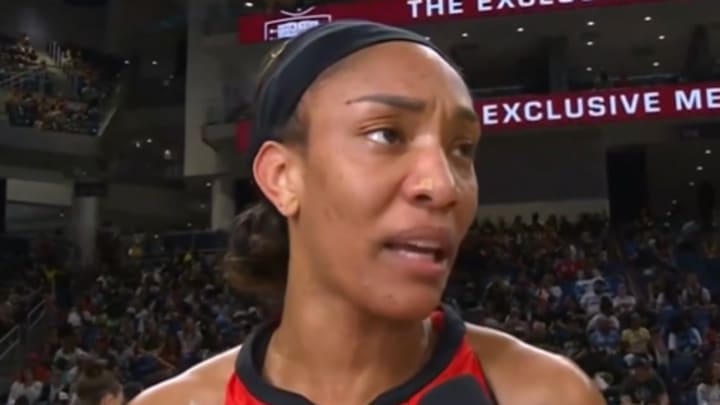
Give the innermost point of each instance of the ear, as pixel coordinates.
(273, 169)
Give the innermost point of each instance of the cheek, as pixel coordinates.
(343, 195)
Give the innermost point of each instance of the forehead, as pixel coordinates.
(401, 68)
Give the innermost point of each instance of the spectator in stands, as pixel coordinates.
(40, 371)
(190, 339)
(606, 314)
(684, 338)
(644, 386)
(623, 302)
(97, 386)
(54, 392)
(25, 386)
(591, 300)
(605, 338)
(694, 293)
(69, 355)
(636, 338)
(708, 391)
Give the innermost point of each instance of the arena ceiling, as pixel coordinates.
(624, 40)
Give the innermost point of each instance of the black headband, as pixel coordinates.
(303, 59)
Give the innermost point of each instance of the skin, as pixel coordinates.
(390, 148)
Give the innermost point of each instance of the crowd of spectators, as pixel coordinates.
(27, 109)
(66, 90)
(623, 303)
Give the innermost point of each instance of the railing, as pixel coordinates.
(17, 79)
(8, 343)
(20, 340)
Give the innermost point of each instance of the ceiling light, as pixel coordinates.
(661, 37)
(138, 144)
(591, 23)
(156, 236)
(656, 64)
(699, 168)
(691, 183)
(669, 213)
(149, 140)
(708, 151)
(590, 43)
(167, 154)
(189, 224)
(589, 68)
(520, 29)
(127, 62)
(674, 202)
(249, 4)
(464, 34)
(203, 206)
(61, 215)
(208, 184)
(154, 63)
(648, 18)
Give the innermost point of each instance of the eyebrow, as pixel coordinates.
(392, 100)
(411, 104)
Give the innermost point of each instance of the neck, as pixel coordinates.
(325, 348)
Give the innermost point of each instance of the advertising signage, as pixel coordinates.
(287, 24)
(600, 107)
(585, 108)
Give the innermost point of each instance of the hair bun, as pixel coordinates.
(258, 253)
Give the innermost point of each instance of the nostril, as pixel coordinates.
(423, 198)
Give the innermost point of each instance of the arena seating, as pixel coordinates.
(611, 299)
(59, 89)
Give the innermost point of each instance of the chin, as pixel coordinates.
(406, 304)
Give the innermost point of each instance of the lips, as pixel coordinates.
(419, 249)
(425, 250)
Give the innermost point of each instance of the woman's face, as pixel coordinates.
(385, 189)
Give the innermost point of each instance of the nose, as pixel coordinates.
(432, 182)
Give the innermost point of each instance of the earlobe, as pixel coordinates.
(272, 170)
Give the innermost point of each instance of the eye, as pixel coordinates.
(465, 149)
(385, 136)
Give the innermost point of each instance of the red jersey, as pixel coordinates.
(452, 357)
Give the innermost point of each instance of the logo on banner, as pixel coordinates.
(294, 24)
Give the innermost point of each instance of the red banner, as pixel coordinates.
(286, 24)
(585, 108)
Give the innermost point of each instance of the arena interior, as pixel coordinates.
(123, 161)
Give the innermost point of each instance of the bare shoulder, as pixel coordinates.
(546, 378)
(203, 384)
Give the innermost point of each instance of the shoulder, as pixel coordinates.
(203, 384)
(506, 360)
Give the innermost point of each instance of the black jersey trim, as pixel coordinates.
(249, 365)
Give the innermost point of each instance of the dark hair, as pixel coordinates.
(258, 252)
(95, 383)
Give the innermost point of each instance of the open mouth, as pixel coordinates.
(419, 250)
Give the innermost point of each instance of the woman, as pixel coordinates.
(364, 140)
